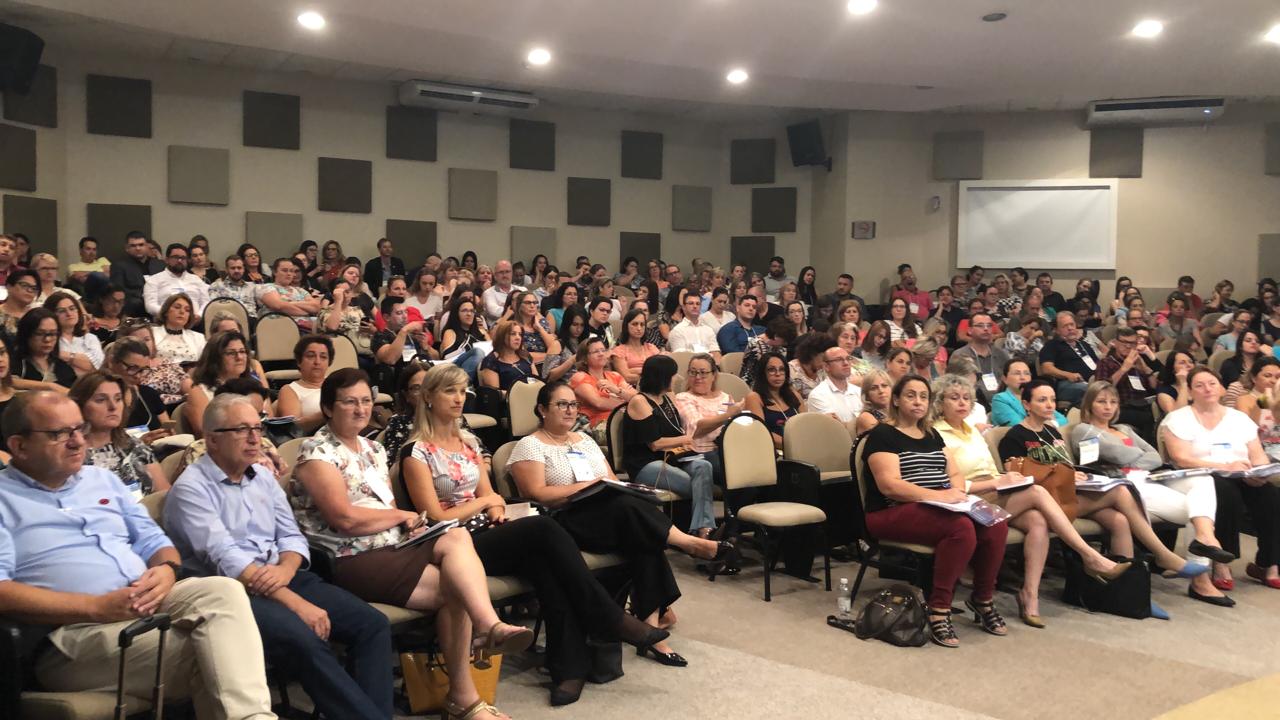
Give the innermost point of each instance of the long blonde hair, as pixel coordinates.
(439, 377)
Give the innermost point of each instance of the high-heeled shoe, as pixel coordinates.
(486, 646)
(942, 631)
(671, 659)
(567, 692)
(726, 560)
(1106, 576)
(1259, 573)
(1216, 554)
(986, 615)
(638, 633)
(1027, 618)
(474, 711)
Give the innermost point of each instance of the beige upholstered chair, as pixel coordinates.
(274, 338)
(521, 400)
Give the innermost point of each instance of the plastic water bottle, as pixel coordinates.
(844, 601)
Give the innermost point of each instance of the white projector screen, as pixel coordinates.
(1040, 224)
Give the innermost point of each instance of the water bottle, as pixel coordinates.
(844, 601)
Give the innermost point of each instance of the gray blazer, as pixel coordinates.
(1113, 450)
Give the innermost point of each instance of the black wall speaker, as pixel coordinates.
(19, 55)
(805, 140)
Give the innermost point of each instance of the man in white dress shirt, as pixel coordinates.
(172, 280)
(836, 396)
(689, 334)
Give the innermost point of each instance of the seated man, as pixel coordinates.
(836, 396)
(1067, 361)
(229, 517)
(76, 551)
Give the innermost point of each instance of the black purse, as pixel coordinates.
(1127, 596)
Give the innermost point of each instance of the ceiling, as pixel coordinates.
(671, 56)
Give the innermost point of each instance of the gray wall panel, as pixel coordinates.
(752, 161)
(532, 145)
(345, 185)
(753, 251)
(641, 155)
(773, 210)
(272, 120)
(199, 175)
(118, 106)
(473, 194)
(958, 155)
(643, 246)
(413, 241)
(411, 133)
(526, 242)
(275, 234)
(1115, 152)
(589, 201)
(38, 107)
(110, 223)
(37, 218)
(17, 158)
(691, 208)
(1272, 161)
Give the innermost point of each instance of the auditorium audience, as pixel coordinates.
(1248, 349)
(876, 389)
(705, 409)
(234, 284)
(837, 395)
(539, 341)
(1006, 407)
(462, 331)
(989, 358)
(566, 296)
(1133, 377)
(808, 367)
(172, 280)
(1180, 324)
(777, 337)
(1259, 401)
(733, 336)
(1067, 361)
(629, 354)
(898, 363)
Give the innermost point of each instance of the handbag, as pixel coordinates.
(1127, 596)
(426, 681)
(1058, 478)
(895, 615)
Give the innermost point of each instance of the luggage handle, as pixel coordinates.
(142, 626)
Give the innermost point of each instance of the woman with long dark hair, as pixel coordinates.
(462, 332)
(36, 362)
(772, 397)
(254, 270)
(805, 286)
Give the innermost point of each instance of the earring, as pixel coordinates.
(428, 406)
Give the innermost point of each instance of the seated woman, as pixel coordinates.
(1027, 341)
(6, 383)
(1034, 510)
(924, 358)
(509, 363)
(102, 400)
(128, 359)
(164, 376)
(1206, 434)
(21, 285)
(400, 426)
(223, 322)
(1115, 510)
(1235, 370)
(1006, 405)
(1171, 383)
(876, 391)
(566, 296)
(173, 338)
(902, 323)
(573, 329)
(807, 368)
(706, 410)
(895, 511)
(772, 398)
(631, 350)
(343, 315)
(109, 314)
(225, 357)
(462, 331)
(36, 363)
(446, 475)
(77, 347)
(300, 399)
(897, 363)
(599, 389)
(1259, 401)
(344, 504)
(286, 294)
(652, 427)
(876, 345)
(1178, 325)
(554, 463)
(539, 341)
(258, 397)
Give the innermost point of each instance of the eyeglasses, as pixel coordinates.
(699, 373)
(235, 353)
(242, 431)
(775, 371)
(29, 287)
(133, 369)
(566, 405)
(64, 434)
(45, 334)
(529, 302)
(356, 403)
(840, 360)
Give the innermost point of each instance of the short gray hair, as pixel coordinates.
(220, 406)
(946, 383)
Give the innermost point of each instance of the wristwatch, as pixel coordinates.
(177, 569)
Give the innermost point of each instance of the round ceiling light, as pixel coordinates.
(862, 7)
(737, 76)
(539, 56)
(994, 17)
(311, 20)
(1148, 28)
(1273, 36)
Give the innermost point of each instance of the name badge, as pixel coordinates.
(581, 466)
(1136, 382)
(1089, 451)
(1221, 452)
(915, 308)
(409, 352)
(1088, 362)
(989, 382)
(135, 491)
(382, 490)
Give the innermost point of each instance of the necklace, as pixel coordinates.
(666, 411)
(556, 439)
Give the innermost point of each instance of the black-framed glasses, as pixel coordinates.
(699, 373)
(235, 353)
(132, 369)
(29, 287)
(62, 435)
(563, 405)
(45, 334)
(243, 431)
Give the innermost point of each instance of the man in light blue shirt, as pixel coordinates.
(76, 551)
(229, 516)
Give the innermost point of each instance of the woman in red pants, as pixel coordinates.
(908, 466)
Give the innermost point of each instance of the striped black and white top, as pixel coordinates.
(921, 461)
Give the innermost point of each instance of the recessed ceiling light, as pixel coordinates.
(994, 17)
(737, 76)
(1273, 35)
(311, 20)
(539, 56)
(1148, 28)
(862, 7)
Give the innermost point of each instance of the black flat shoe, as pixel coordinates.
(567, 692)
(1223, 601)
(638, 633)
(1215, 554)
(672, 659)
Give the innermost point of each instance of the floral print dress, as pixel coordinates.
(455, 475)
(366, 476)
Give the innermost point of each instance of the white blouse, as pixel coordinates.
(182, 348)
(555, 458)
(87, 344)
(1228, 441)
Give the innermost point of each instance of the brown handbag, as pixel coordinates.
(1058, 478)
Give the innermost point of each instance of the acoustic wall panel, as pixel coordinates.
(110, 223)
(957, 155)
(411, 133)
(642, 246)
(118, 106)
(17, 158)
(773, 210)
(38, 107)
(272, 120)
(532, 145)
(528, 242)
(691, 208)
(276, 235)
(413, 240)
(1272, 160)
(641, 155)
(589, 201)
(1268, 256)
(37, 218)
(752, 161)
(346, 185)
(754, 251)
(199, 175)
(473, 194)
(1115, 152)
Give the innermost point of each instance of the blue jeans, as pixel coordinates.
(692, 479)
(1072, 392)
(294, 648)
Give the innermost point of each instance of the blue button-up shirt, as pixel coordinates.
(222, 527)
(88, 536)
(733, 336)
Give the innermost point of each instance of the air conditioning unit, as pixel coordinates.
(1151, 112)
(465, 98)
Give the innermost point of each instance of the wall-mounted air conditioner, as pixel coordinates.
(465, 98)
(1151, 112)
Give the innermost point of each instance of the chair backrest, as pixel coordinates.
(179, 416)
(616, 326)
(677, 384)
(1073, 416)
(614, 446)
(1168, 344)
(398, 489)
(817, 439)
(154, 503)
(503, 484)
(1219, 357)
(1108, 332)
(735, 386)
(747, 449)
(682, 360)
(275, 337)
(1163, 355)
(344, 354)
(999, 342)
(169, 465)
(623, 291)
(288, 452)
(993, 438)
(859, 471)
(521, 400)
(731, 363)
(1210, 319)
(1072, 446)
(226, 306)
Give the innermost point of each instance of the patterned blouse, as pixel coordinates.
(349, 326)
(801, 383)
(532, 339)
(696, 407)
(129, 462)
(366, 475)
(455, 475)
(166, 379)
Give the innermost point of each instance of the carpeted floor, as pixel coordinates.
(751, 659)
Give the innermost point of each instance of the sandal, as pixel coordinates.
(485, 646)
(941, 631)
(452, 711)
(985, 614)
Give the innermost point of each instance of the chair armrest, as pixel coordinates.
(19, 642)
(323, 562)
(800, 482)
